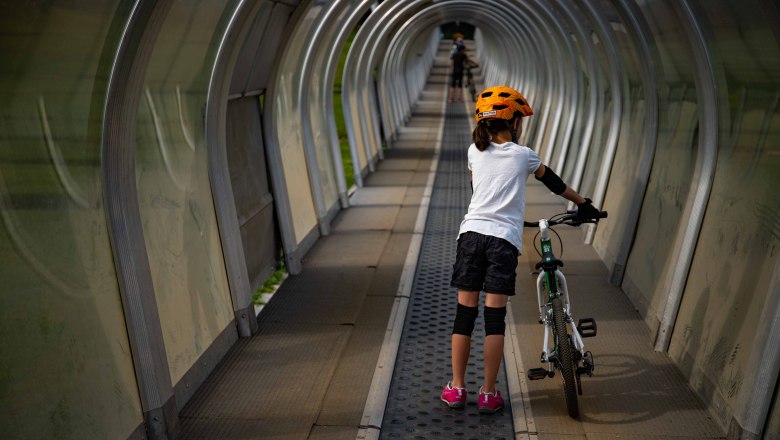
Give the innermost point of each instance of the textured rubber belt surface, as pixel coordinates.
(422, 366)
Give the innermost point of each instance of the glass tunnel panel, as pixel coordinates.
(287, 128)
(321, 140)
(670, 179)
(310, 77)
(64, 341)
(635, 146)
(719, 324)
(175, 198)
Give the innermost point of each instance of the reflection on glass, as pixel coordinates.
(289, 131)
(736, 253)
(65, 364)
(322, 144)
(177, 209)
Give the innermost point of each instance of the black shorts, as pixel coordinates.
(457, 78)
(485, 263)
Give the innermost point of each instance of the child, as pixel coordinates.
(458, 62)
(489, 240)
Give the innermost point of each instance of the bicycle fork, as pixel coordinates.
(585, 328)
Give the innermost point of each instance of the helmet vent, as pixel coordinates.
(499, 107)
(520, 101)
(504, 95)
(487, 94)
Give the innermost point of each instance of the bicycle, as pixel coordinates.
(470, 80)
(568, 354)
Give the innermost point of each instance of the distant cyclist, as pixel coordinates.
(458, 62)
(490, 236)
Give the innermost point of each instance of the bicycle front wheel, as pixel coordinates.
(565, 358)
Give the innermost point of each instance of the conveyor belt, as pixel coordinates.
(423, 363)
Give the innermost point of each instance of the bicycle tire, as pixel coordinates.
(565, 359)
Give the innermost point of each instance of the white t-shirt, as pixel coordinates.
(497, 206)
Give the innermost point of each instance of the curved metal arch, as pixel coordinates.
(703, 174)
(639, 30)
(307, 137)
(577, 98)
(585, 43)
(451, 12)
(350, 88)
(364, 71)
(365, 54)
(330, 22)
(120, 195)
(537, 130)
(500, 70)
(568, 83)
(539, 80)
(336, 48)
(528, 74)
(480, 7)
(219, 173)
(393, 112)
(392, 73)
(398, 107)
(532, 81)
(398, 52)
(408, 32)
(618, 87)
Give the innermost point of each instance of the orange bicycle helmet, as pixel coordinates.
(501, 102)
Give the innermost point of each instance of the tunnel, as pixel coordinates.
(161, 160)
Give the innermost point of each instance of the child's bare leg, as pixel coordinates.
(461, 344)
(494, 346)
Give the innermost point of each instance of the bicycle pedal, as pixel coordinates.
(586, 370)
(537, 374)
(587, 365)
(587, 327)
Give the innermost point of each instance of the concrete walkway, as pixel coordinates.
(308, 372)
(635, 392)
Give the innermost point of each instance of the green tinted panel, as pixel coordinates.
(736, 256)
(673, 165)
(65, 364)
(177, 209)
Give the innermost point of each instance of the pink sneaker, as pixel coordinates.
(489, 403)
(453, 397)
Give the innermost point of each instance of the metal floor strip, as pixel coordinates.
(374, 411)
(413, 409)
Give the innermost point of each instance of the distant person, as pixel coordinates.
(458, 63)
(490, 236)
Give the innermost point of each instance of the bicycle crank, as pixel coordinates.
(539, 373)
(587, 365)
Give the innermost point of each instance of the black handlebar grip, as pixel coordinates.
(603, 214)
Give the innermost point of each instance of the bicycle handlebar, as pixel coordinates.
(570, 218)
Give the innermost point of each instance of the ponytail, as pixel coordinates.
(481, 136)
(485, 131)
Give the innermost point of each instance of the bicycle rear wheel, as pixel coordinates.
(565, 358)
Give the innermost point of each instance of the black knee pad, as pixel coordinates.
(494, 320)
(464, 320)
